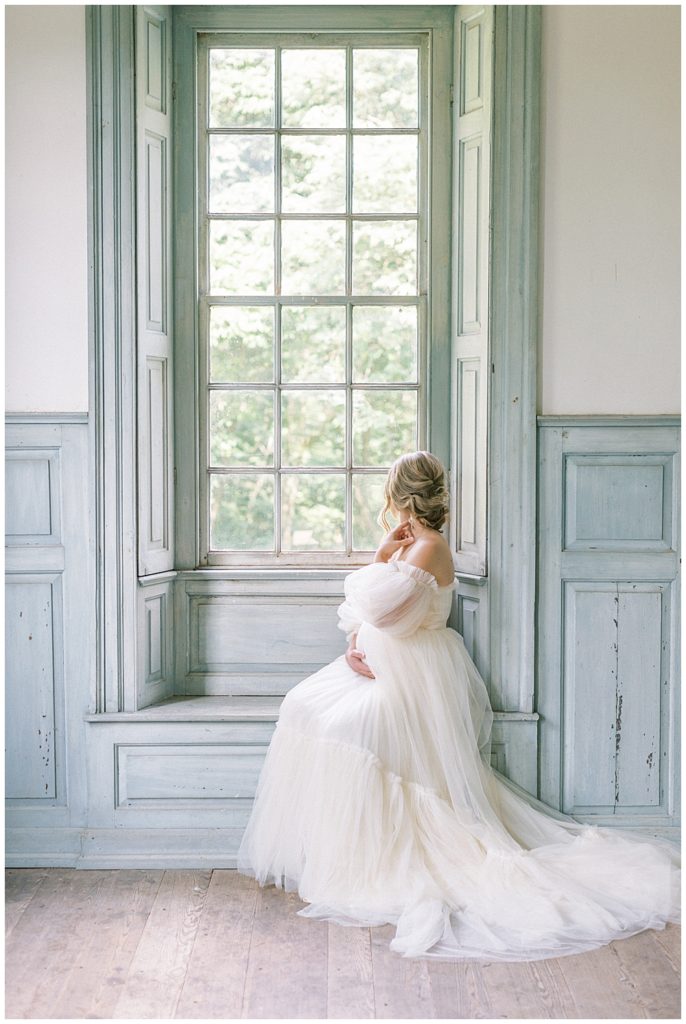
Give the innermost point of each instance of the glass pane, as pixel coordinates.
(241, 257)
(385, 344)
(313, 173)
(241, 428)
(313, 428)
(312, 512)
(241, 512)
(384, 426)
(385, 257)
(368, 500)
(313, 344)
(385, 173)
(385, 88)
(241, 173)
(241, 344)
(313, 257)
(241, 88)
(313, 88)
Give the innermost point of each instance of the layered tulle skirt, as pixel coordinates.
(377, 804)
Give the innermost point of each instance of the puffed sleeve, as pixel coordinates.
(392, 596)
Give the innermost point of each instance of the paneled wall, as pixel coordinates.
(608, 601)
(172, 784)
(49, 632)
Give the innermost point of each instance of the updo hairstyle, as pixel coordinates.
(417, 482)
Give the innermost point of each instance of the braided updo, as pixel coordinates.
(417, 482)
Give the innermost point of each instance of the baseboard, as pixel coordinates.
(149, 848)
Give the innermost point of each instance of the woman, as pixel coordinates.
(377, 800)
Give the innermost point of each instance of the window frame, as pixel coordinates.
(497, 616)
(431, 30)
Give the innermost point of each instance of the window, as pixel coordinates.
(312, 159)
(312, 302)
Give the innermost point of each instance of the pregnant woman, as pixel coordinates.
(377, 801)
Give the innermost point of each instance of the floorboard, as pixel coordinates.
(214, 945)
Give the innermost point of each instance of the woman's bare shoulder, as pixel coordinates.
(431, 552)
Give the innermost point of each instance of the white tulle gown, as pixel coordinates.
(378, 804)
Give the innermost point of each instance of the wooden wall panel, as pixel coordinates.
(253, 639)
(49, 631)
(608, 599)
(33, 682)
(32, 507)
(472, 126)
(153, 59)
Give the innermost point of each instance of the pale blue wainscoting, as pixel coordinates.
(48, 635)
(169, 778)
(607, 618)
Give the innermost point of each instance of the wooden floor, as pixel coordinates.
(212, 944)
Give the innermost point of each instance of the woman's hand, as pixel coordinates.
(399, 537)
(356, 660)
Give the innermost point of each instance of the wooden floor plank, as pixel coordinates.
(217, 970)
(600, 986)
(529, 989)
(21, 884)
(350, 978)
(669, 938)
(47, 938)
(144, 944)
(158, 969)
(654, 978)
(95, 976)
(402, 986)
(287, 965)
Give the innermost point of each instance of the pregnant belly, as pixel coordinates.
(370, 641)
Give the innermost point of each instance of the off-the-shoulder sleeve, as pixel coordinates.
(393, 596)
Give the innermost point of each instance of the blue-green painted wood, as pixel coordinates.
(514, 331)
(155, 368)
(50, 627)
(471, 215)
(607, 618)
(112, 347)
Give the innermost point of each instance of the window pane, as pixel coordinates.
(312, 512)
(313, 257)
(313, 88)
(241, 173)
(241, 88)
(313, 344)
(385, 344)
(241, 344)
(313, 428)
(385, 88)
(241, 428)
(368, 500)
(313, 173)
(385, 257)
(384, 426)
(241, 257)
(241, 512)
(385, 174)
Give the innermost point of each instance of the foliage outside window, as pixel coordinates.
(312, 287)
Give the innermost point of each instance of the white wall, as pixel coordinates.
(610, 209)
(610, 238)
(46, 275)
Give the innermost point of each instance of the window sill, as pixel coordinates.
(244, 708)
(272, 573)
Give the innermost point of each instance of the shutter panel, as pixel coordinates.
(154, 287)
(472, 118)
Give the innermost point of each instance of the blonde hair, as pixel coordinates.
(417, 482)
